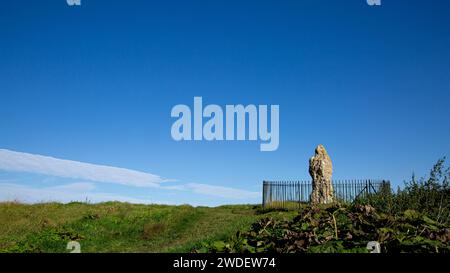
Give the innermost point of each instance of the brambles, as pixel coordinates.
(430, 196)
(341, 229)
(413, 220)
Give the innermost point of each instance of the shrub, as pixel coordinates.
(340, 229)
(430, 196)
(415, 219)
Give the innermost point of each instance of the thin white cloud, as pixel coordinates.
(54, 167)
(223, 192)
(65, 193)
(31, 163)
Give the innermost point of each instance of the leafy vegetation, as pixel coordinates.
(414, 220)
(340, 229)
(430, 196)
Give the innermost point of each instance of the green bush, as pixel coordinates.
(415, 219)
(340, 229)
(430, 196)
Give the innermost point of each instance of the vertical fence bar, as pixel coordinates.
(280, 186)
(358, 186)
(302, 194)
(363, 188)
(350, 190)
(347, 192)
(276, 194)
(367, 187)
(263, 195)
(270, 194)
(363, 182)
(360, 189)
(299, 195)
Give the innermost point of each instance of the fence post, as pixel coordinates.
(367, 187)
(264, 195)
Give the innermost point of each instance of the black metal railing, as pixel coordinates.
(291, 194)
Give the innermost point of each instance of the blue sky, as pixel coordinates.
(96, 84)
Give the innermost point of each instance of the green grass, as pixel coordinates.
(121, 227)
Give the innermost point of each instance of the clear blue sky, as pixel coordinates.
(96, 84)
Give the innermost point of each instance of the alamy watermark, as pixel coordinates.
(228, 125)
(374, 2)
(73, 2)
(374, 247)
(74, 247)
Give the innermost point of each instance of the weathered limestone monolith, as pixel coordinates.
(321, 169)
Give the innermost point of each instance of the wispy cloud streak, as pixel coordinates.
(50, 166)
(31, 163)
(223, 192)
(81, 191)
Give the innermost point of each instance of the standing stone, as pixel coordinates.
(321, 169)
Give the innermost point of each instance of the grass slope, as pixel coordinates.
(120, 227)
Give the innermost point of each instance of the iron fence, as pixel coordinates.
(291, 194)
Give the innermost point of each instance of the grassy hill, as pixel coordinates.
(413, 219)
(121, 227)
